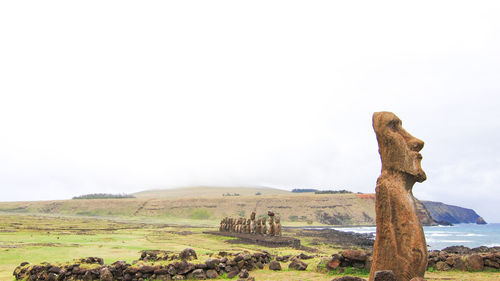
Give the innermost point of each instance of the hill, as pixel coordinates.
(208, 191)
(208, 204)
(294, 209)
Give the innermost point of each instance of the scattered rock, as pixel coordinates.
(297, 265)
(303, 256)
(188, 254)
(355, 255)
(244, 274)
(275, 265)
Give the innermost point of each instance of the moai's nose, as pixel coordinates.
(415, 144)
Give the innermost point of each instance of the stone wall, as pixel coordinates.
(188, 268)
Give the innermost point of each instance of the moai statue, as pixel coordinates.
(271, 229)
(277, 226)
(238, 225)
(400, 242)
(252, 223)
(258, 227)
(242, 225)
(234, 224)
(264, 226)
(249, 226)
(221, 227)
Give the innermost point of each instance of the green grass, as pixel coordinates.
(60, 239)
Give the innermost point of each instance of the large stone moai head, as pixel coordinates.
(400, 243)
(399, 151)
(252, 216)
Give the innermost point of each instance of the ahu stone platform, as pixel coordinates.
(268, 241)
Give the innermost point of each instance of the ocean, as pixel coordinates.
(439, 237)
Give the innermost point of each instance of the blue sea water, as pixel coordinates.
(439, 237)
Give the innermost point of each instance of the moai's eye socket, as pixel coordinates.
(393, 124)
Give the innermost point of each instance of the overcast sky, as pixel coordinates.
(122, 96)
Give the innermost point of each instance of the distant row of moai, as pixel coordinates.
(252, 225)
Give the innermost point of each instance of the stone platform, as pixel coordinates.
(268, 241)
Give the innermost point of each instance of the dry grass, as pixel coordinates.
(294, 209)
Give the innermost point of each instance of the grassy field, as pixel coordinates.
(39, 238)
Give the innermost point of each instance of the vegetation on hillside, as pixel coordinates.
(343, 191)
(103, 196)
(302, 190)
(231, 194)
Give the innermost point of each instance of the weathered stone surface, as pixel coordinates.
(334, 262)
(385, 275)
(355, 255)
(274, 265)
(232, 274)
(297, 264)
(199, 274)
(146, 269)
(188, 254)
(348, 278)
(105, 274)
(212, 274)
(243, 274)
(442, 266)
(303, 256)
(474, 263)
(400, 242)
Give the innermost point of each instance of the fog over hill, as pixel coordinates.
(113, 96)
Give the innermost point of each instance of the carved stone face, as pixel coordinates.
(398, 149)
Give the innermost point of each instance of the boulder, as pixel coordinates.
(297, 265)
(274, 265)
(243, 274)
(199, 274)
(348, 278)
(442, 266)
(212, 274)
(105, 274)
(355, 255)
(231, 274)
(474, 263)
(384, 275)
(303, 256)
(188, 254)
(334, 262)
(146, 269)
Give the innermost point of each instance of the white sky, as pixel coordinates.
(122, 96)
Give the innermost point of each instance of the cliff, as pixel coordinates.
(449, 214)
(424, 214)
